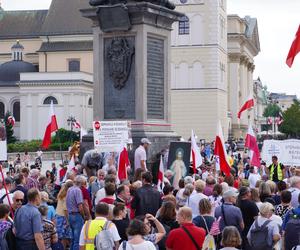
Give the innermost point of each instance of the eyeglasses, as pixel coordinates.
(19, 200)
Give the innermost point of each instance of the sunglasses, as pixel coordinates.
(19, 200)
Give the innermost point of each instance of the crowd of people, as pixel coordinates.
(91, 208)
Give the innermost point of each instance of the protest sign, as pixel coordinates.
(287, 151)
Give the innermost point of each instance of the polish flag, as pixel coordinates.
(124, 163)
(294, 50)
(51, 127)
(11, 120)
(76, 124)
(71, 167)
(247, 105)
(160, 176)
(270, 120)
(251, 144)
(196, 156)
(220, 152)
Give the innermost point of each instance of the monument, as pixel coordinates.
(132, 42)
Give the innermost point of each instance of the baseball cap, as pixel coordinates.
(145, 140)
(230, 193)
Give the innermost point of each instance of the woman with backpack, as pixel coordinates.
(264, 232)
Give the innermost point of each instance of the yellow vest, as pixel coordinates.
(279, 172)
(91, 229)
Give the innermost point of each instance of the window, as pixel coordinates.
(184, 26)
(16, 111)
(49, 99)
(90, 102)
(2, 110)
(74, 65)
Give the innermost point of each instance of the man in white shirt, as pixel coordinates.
(140, 155)
(295, 190)
(194, 199)
(253, 177)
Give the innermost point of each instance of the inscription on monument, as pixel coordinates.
(119, 78)
(155, 78)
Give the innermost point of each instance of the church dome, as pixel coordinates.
(10, 71)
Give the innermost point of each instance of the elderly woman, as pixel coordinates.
(264, 220)
(231, 238)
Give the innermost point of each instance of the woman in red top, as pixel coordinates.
(87, 206)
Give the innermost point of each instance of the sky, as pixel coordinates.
(278, 22)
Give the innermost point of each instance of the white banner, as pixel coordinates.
(110, 136)
(3, 144)
(287, 151)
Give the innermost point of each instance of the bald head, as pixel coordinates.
(184, 215)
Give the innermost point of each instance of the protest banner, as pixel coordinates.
(287, 151)
(110, 136)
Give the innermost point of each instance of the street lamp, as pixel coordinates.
(71, 119)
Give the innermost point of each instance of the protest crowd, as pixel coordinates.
(94, 206)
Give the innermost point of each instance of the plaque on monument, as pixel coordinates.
(155, 78)
(119, 78)
(114, 18)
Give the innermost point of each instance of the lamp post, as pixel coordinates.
(71, 119)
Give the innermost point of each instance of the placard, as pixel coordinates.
(110, 136)
(287, 151)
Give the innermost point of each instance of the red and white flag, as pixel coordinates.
(220, 152)
(11, 120)
(71, 167)
(196, 156)
(278, 120)
(270, 120)
(51, 127)
(251, 144)
(123, 164)
(76, 124)
(160, 176)
(294, 50)
(247, 105)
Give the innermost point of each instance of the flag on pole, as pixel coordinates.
(76, 124)
(11, 120)
(51, 127)
(71, 167)
(220, 152)
(294, 50)
(278, 120)
(123, 163)
(160, 176)
(270, 120)
(196, 156)
(251, 144)
(247, 105)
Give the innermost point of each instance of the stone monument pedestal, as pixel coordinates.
(132, 45)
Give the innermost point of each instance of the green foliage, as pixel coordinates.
(9, 129)
(63, 135)
(272, 110)
(291, 121)
(34, 145)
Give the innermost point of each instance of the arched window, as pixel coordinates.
(184, 26)
(2, 110)
(16, 111)
(49, 99)
(90, 102)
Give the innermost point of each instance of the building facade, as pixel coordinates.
(207, 83)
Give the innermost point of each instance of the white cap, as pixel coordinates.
(145, 140)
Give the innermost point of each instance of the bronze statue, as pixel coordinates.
(164, 3)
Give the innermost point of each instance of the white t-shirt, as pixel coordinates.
(253, 178)
(193, 203)
(146, 245)
(112, 228)
(139, 155)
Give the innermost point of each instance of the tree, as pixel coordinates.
(272, 110)
(63, 135)
(9, 129)
(291, 121)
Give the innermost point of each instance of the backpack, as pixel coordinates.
(104, 239)
(259, 236)
(292, 231)
(209, 240)
(7, 240)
